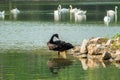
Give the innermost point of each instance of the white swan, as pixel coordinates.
(15, 12)
(57, 14)
(113, 14)
(116, 14)
(2, 15)
(61, 14)
(72, 13)
(107, 20)
(80, 16)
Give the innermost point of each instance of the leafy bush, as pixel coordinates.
(117, 35)
(116, 45)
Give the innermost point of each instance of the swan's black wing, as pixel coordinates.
(62, 46)
(65, 46)
(59, 45)
(51, 46)
(56, 45)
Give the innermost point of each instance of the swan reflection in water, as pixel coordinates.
(55, 64)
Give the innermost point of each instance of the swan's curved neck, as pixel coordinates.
(51, 40)
(116, 8)
(59, 7)
(107, 13)
(70, 7)
(116, 14)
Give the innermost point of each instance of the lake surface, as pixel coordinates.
(18, 64)
(24, 53)
(37, 33)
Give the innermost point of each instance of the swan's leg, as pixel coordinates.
(63, 54)
(58, 53)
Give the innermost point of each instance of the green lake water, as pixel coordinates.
(32, 65)
(24, 53)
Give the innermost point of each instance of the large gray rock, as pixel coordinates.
(96, 49)
(91, 49)
(84, 46)
(98, 40)
(110, 42)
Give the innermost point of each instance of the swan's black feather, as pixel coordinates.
(58, 45)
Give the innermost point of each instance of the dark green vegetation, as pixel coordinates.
(115, 45)
(117, 35)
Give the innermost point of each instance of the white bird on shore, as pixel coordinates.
(15, 12)
(2, 15)
(60, 13)
(116, 14)
(80, 16)
(111, 15)
(57, 14)
(72, 13)
(77, 15)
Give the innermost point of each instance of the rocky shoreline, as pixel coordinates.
(96, 51)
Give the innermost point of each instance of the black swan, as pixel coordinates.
(58, 45)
